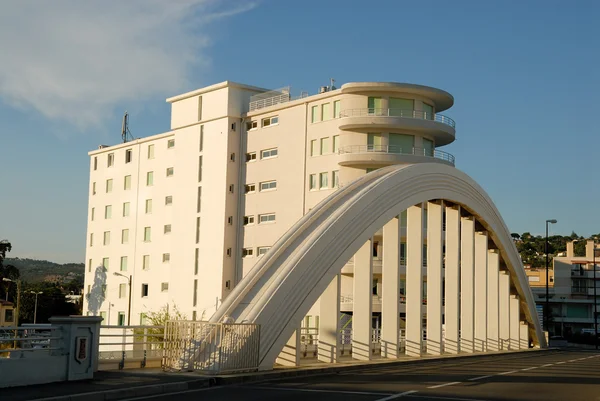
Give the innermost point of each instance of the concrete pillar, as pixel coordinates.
(452, 274)
(390, 320)
(414, 280)
(515, 322)
(362, 306)
(523, 335)
(481, 295)
(329, 322)
(504, 309)
(492, 297)
(290, 354)
(434, 278)
(467, 280)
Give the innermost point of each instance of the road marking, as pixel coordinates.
(481, 377)
(560, 363)
(507, 373)
(548, 364)
(314, 390)
(444, 385)
(573, 360)
(429, 397)
(531, 368)
(394, 396)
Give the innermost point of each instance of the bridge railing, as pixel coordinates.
(125, 347)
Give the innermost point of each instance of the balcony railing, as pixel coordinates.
(393, 149)
(421, 115)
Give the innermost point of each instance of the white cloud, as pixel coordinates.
(76, 59)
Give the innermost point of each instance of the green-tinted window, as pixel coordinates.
(401, 143)
(336, 143)
(580, 311)
(401, 107)
(326, 111)
(336, 109)
(374, 142)
(314, 150)
(427, 147)
(427, 111)
(375, 105)
(314, 114)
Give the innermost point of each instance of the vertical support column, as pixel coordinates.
(434, 278)
(414, 280)
(362, 306)
(290, 354)
(504, 309)
(515, 322)
(493, 304)
(452, 273)
(467, 279)
(390, 321)
(481, 295)
(329, 322)
(523, 335)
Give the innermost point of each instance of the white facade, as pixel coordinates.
(208, 198)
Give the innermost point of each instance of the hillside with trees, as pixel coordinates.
(531, 248)
(33, 270)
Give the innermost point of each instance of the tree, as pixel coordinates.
(7, 271)
(515, 236)
(158, 319)
(51, 302)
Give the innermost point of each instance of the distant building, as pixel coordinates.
(7, 314)
(571, 290)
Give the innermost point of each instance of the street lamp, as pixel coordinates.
(129, 309)
(547, 312)
(35, 309)
(595, 301)
(18, 305)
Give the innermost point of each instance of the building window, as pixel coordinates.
(105, 263)
(95, 163)
(91, 239)
(314, 150)
(326, 111)
(125, 236)
(336, 109)
(106, 237)
(168, 200)
(111, 159)
(266, 218)
(250, 125)
(127, 183)
(128, 155)
(250, 157)
(195, 299)
(199, 108)
(148, 206)
(201, 139)
(323, 184)
(121, 321)
(164, 287)
(122, 291)
(267, 122)
(147, 234)
(336, 143)
(93, 188)
(250, 188)
(150, 178)
(92, 213)
(261, 250)
(196, 260)
(89, 265)
(248, 220)
(170, 172)
(104, 291)
(232, 157)
(314, 111)
(199, 200)
(230, 220)
(268, 153)
(268, 186)
(167, 229)
(246, 252)
(335, 179)
(125, 209)
(143, 319)
(166, 257)
(123, 263)
(144, 290)
(170, 143)
(197, 230)
(150, 151)
(324, 146)
(200, 169)
(107, 211)
(109, 185)
(146, 262)
(312, 182)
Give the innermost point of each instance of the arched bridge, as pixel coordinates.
(478, 298)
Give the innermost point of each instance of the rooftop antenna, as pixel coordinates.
(125, 133)
(331, 81)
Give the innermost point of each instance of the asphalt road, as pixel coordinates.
(548, 376)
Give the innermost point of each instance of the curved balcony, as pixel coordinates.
(439, 126)
(369, 155)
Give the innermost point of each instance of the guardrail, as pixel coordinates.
(131, 346)
(404, 113)
(393, 149)
(25, 341)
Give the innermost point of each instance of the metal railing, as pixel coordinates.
(393, 149)
(124, 344)
(211, 347)
(309, 341)
(404, 113)
(18, 342)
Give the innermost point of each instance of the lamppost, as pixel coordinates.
(129, 308)
(18, 305)
(547, 312)
(595, 301)
(35, 308)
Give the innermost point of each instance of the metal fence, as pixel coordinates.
(25, 342)
(211, 347)
(405, 113)
(135, 346)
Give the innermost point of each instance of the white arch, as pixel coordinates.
(284, 285)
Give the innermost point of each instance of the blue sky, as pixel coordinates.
(524, 74)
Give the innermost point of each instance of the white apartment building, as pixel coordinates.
(187, 213)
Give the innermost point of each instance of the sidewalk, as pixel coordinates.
(109, 385)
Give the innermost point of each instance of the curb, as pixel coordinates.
(138, 391)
